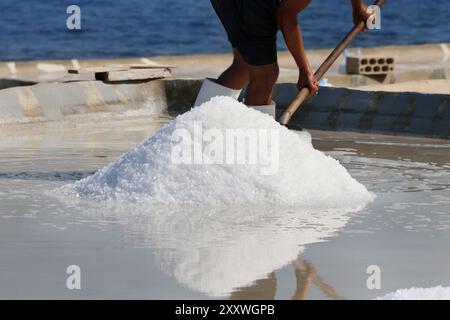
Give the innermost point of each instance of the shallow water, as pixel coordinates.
(135, 251)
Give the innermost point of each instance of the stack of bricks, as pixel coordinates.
(369, 65)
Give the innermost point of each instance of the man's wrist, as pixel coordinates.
(304, 68)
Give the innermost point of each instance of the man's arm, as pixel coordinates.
(357, 3)
(287, 21)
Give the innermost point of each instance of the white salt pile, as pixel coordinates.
(434, 293)
(197, 158)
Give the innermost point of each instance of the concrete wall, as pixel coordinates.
(333, 109)
(405, 113)
(58, 101)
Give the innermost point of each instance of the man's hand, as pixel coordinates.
(306, 79)
(359, 11)
(360, 14)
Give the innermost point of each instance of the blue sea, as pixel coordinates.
(36, 29)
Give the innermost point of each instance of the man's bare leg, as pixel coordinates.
(230, 83)
(237, 75)
(261, 83)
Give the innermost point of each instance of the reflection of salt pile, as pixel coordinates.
(217, 255)
(304, 177)
(435, 293)
(219, 250)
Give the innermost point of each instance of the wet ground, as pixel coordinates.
(133, 251)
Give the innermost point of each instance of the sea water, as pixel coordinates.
(37, 29)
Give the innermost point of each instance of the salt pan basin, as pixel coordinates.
(148, 250)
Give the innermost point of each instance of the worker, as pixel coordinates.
(252, 26)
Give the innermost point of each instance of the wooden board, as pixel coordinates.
(99, 69)
(133, 74)
(118, 67)
(149, 66)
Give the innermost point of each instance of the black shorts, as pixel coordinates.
(251, 27)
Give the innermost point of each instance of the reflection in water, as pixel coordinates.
(221, 251)
(305, 275)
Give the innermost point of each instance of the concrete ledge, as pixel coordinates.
(333, 109)
(405, 113)
(57, 101)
